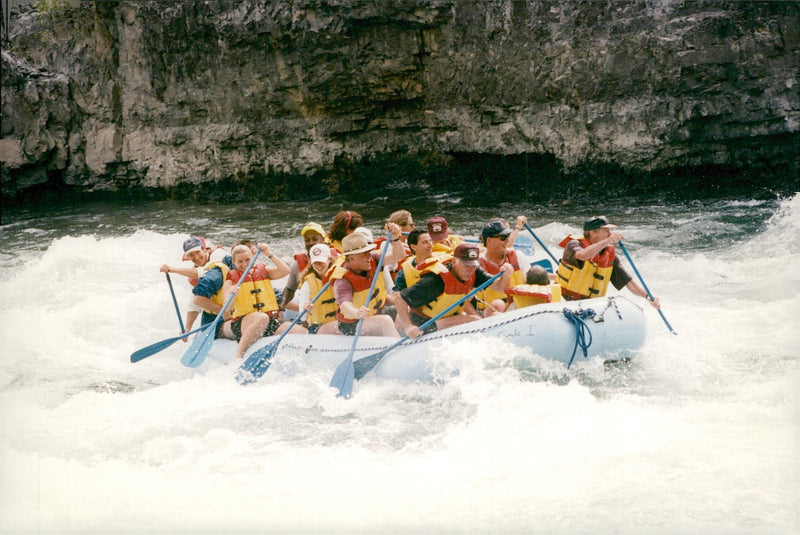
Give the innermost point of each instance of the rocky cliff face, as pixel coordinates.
(130, 95)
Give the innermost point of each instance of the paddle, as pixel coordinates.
(175, 302)
(343, 376)
(201, 344)
(363, 366)
(152, 349)
(535, 237)
(646, 289)
(257, 364)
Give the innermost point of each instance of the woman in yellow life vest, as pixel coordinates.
(590, 263)
(351, 283)
(321, 313)
(254, 312)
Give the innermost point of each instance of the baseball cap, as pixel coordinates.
(320, 252)
(468, 253)
(437, 228)
(313, 227)
(192, 244)
(493, 229)
(597, 222)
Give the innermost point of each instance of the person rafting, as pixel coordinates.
(312, 234)
(254, 312)
(201, 252)
(351, 282)
(589, 264)
(322, 313)
(344, 223)
(443, 241)
(442, 285)
(495, 236)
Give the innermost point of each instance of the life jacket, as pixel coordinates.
(217, 297)
(453, 241)
(255, 293)
(302, 260)
(412, 272)
(592, 279)
(534, 294)
(324, 309)
(361, 286)
(517, 277)
(454, 290)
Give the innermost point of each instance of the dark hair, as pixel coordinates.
(413, 236)
(537, 275)
(344, 221)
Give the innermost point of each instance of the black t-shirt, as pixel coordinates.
(430, 286)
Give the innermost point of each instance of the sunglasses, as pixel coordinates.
(501, 238)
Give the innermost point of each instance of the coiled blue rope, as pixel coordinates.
(583, 336)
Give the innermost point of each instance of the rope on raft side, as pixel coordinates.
(581, 331)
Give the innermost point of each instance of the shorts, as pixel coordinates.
(272, 326)
(348, 329)
(418, 320)
(313, 328)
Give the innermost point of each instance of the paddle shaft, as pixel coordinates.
(200, 347)
(175, 302)
(152, 349)
(535, 237)
(370, 362)
(644, 285)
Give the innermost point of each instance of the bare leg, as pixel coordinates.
(253, 326)
(332, 327)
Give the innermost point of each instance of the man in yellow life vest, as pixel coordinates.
(443, 241)
(201, 252)
(352, 279)
(589, 264)
(312, 234)
(442, 285)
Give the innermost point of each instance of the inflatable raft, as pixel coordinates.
(611, 328)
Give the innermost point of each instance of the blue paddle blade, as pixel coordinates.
(200, 347)
(524, 244)
(256, 365)
(363, 366)
(343, 378)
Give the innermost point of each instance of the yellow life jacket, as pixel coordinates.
(412, 273)
(324, 309)
(534, 294)
(255, 293)
(217, 297)
(453, 241)
(517, 277)
(454, 290)
(592, 279)
(361, 286)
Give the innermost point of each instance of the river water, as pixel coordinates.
(698, 434)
